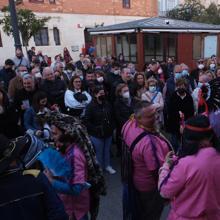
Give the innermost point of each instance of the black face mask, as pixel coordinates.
(101, 98)
(181, 91)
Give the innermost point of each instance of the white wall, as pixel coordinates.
(70, 34)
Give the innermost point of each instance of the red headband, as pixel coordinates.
(197, 128)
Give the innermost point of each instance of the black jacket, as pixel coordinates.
(9, 123)
(26, 197)
(122, 111)
(178, 104)
(5, 76)
(55, 91)
(99, 119)
(20, 96)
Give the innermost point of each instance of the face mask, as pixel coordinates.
(185, 73)
(181, 91)
(23, 73)
(152, 89)
(116, 72)
(160, 71)
(126, 95)
(212, 66)
(201, 66)
(178, 75)
(69, 71)
(100, 79)
(101, 98)
(200, 85)
(81, 77)
(38, 75)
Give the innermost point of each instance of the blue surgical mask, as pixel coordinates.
(152, 89)
(202, 84)
(178, 75)
(81, 77)
(185, 73)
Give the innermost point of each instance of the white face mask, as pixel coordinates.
(212, 66)
(100, 79)
(38, 75)
(126, 95)
(160, 71)
(117, 72)
(201, 66)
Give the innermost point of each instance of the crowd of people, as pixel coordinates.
(62, 118)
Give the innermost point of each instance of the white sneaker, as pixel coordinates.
(110, 170)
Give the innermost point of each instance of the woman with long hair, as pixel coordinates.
(66, 55)
(139, 86)
(76, 98)
(191, 180)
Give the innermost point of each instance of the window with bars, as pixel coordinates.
(56, 35)
(126, 3)
(159, 46)
(126, 44)
(42, 37)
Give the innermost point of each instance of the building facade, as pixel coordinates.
(166, 5)
(70, 20)
(158, 38)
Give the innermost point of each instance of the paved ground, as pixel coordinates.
(111, 206)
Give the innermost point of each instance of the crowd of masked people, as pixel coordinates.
(62, 118)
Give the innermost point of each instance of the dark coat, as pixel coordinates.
(122, 111)
(99, 119)
(28, 197)
(55, 91)
(178, 104)
(9, 123)
(5, 76)
(20, 96)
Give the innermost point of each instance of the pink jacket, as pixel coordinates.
(144, 161)
(77, 206)
(193, 186)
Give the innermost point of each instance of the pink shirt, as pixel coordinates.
(77, 206)
(145, 165)
(194, 186)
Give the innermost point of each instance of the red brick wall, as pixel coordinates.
(185, 49)
(144, 8)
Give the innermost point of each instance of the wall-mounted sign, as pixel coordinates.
(75, 48)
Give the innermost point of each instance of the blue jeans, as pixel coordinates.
(102, 148)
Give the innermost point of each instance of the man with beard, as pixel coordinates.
(19, 59)
(6, 74)
(89, 82)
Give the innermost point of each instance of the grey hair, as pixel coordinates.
(138, 108)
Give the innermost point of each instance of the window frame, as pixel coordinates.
(129, 47)
(126, 4)
(41, 39)
(99, 48)
(58, 32)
